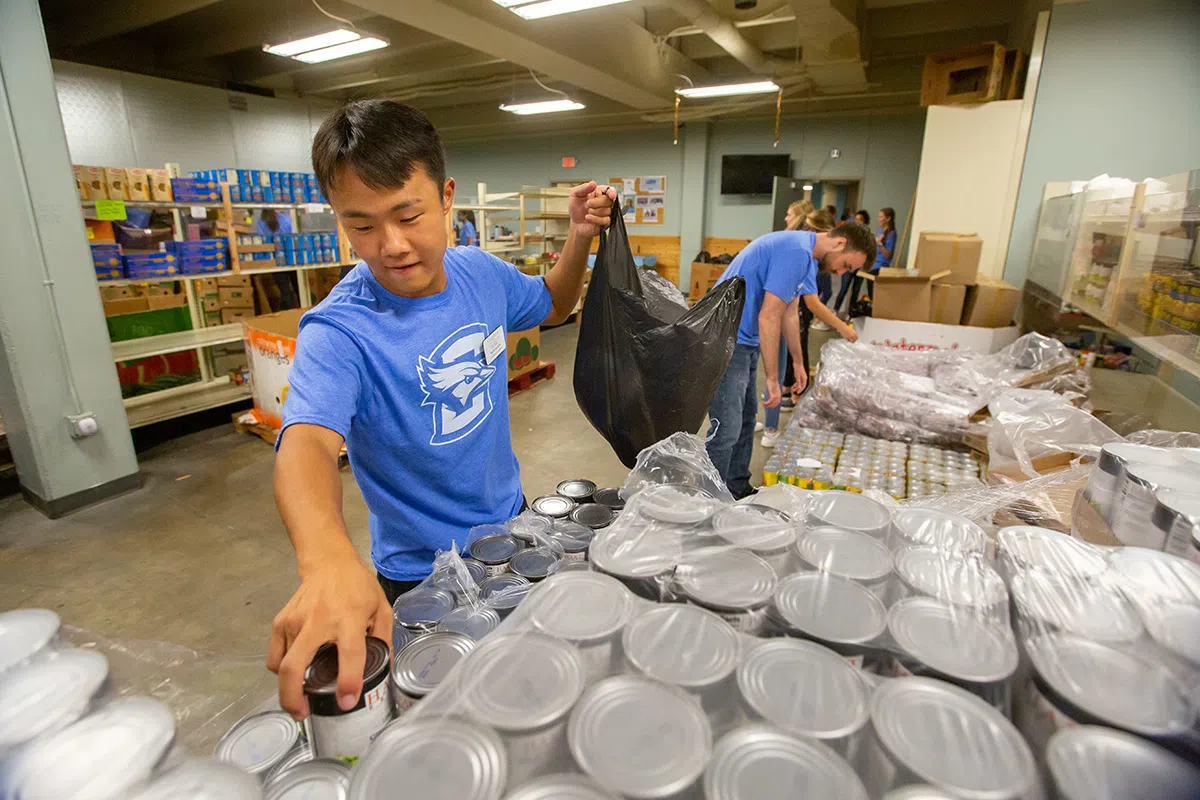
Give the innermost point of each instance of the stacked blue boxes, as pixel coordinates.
(200, 256)
(298, 249)
(107, 260)
(265, 186)
(151, 265)
(195, 190)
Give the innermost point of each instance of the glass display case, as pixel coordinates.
(1105, 221)
(1054, 245)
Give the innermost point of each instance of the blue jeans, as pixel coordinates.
(733, 410)
(772, 414)
(824, 286)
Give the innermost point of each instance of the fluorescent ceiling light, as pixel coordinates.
(355, 47)
(727, 89)
(543, 107)
(311, 43)
(808, 187)
(551, 8)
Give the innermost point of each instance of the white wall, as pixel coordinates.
(967, 162)
(119, 119)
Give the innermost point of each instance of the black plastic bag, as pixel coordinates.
(646, 366)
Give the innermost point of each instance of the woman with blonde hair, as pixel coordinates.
(796, 214)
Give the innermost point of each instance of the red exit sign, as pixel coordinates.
(568, 161)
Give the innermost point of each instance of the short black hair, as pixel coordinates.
(858, 240)
(382, 141)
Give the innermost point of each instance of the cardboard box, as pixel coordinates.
(916, 336)
(990, 304)
(97, 188)
(81, 182)
(125, 305)
(236, 297)
(139, 184)
(210, 304)
(160, 185)
(117, 180)
(523, 350)
(1088, 525)
(157, 301)
(946, 303)
(234, 280)
(206, 286)
(704, 277)
(270, 341)
(229, 315)
(108, 293)
(153, 289)
(901, 296)
(212, 318)
(958, 253)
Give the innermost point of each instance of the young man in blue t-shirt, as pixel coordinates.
(405, 362)
(778, 269)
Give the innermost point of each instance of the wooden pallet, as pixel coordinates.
(543, 372)
(268, 434)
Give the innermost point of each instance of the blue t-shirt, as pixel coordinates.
(425, 420)
(889, 241)
(282, 220)
(781, 263)
(466, 234)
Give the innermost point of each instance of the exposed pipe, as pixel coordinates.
(725, 34)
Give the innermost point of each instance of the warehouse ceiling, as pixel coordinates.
(459, 59)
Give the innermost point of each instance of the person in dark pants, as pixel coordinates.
(777, 268)
(269, 224)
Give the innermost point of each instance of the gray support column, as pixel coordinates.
(55, 361)
(692, 193)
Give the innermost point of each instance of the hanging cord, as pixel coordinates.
(348, 23)
(677, 99)
(547, 88)
(778, 113)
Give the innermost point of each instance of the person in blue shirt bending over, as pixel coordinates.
(778, 268)
(404, 361)
(467, 236)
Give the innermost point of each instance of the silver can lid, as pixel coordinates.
(919, 792)
(848, 510)
(578, 489)
(257, 742)
(1155, 477)
(644, 553)
(24, 632)
(1028, 547)
(1152, 576)
(521, 682)
(496, 548)
(104, 754)
(1090, 609)
(1122, 688)
(318, 779)
(759, 528)
(422, 607)
(682, 645)
(952, 739)
(1090, 762)
(474, 622)
(757, 761)
(677, 503)
(504, 590)
(299, 754)
(610, 497)
(1176, 627)
(579, 606)
(639, 738)
(565, 786)
(433, 759)
(534, 563)
(804, 688)
(593, 515)
(450, 580)
(952, 640)
(553, 505)
(201, 779)
(845, 553)
(424, 662)
(575, 537)
(726, 578)
(829, 608)
(47, 695)
(924, 526)
(1173, 507)
(951, 577)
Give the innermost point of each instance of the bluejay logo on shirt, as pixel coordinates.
(455, 380)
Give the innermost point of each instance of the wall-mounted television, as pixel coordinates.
(752, 174)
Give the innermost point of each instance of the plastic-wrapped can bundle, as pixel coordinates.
(47, 694)
(436, 759)
(928, 731)
(851, 512)
(926, 527)
(495, 551)
(735, 584)
(423, 664)
(449, 580)
(503, 593)
(523, 686)
(561, 786)
(587, 609)
(1177, 517)
(757, 761)
(640, 738)
(26, 634)
(1026, 547)
(764, 531)
(1094, 763)
(951, 577)
(1133, 509)
(420, 610)
(848, 554)
(200, 779)
(1047, 601)
(476, 622)
(260, 742)
(1104, 483)
(688, 647)
(322, 777)
(832, 611)
(938, 640)
(1077, 681)
(642, 560)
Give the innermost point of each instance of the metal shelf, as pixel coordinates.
(145, 409)
(225, 274)
(174, 205)
(133, 349)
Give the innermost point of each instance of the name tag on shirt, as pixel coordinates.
(493, 345)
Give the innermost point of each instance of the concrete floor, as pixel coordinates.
(179, 581)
